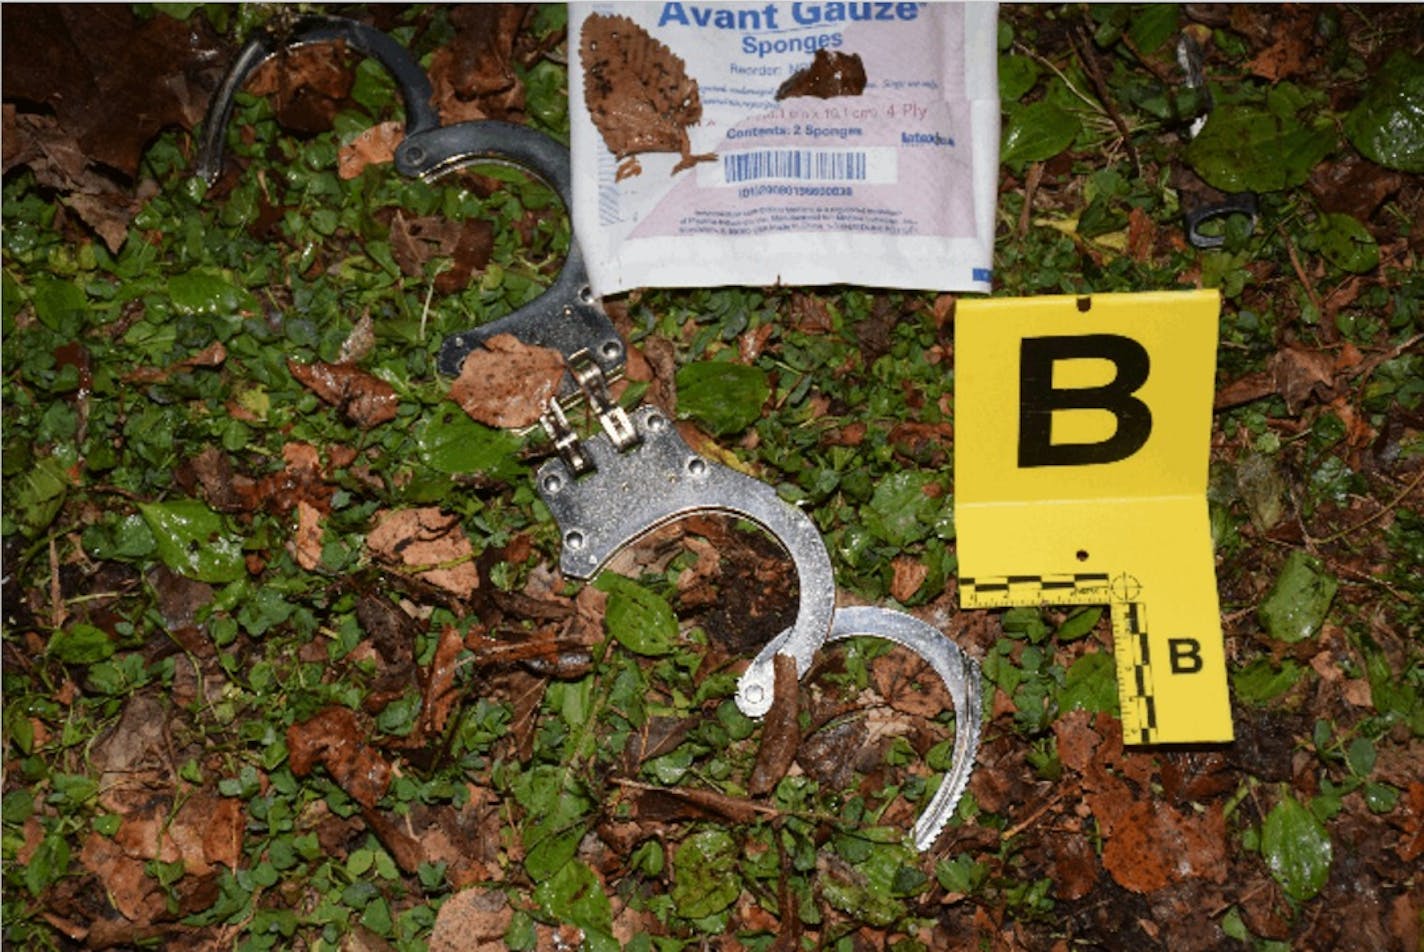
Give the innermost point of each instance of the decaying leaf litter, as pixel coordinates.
(282, 669)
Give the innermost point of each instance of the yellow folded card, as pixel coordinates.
(1082, 438)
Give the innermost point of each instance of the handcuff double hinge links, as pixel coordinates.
(593, 388)
(611, 488)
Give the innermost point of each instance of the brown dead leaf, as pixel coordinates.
(1411, 842)
(473, 75)
(1353, 186)
(334, 739)
(362, 398)
(223, 820)
(909, 574)
(134, 894)
(211, 356)
(1141, 234)
(359, 343)
(829, 754)
(1075, 866)
(112, 80)
(467, 244)
(374, 146)
(1245, 389)
(145, 834)
(656, 805)
(306, 544)
(428, 542)
(1148, 845)
(753, 342)
(396, 838)
(308, 85)
(1297, 372)
(508, 383)
(781, 731)
(909, 685)
(473, 920)
(810, 314)
(441, 692)
(134, 759)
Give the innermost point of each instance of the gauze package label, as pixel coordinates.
(784, 143)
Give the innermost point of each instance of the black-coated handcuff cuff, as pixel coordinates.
(607, 491)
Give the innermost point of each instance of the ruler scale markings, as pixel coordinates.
(1131, 648)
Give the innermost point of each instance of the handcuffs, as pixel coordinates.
(607, 491)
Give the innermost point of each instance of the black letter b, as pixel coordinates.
(1038, 398)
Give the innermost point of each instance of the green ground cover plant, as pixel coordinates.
(287, 661)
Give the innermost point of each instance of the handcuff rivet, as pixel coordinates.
(657, 422)
(573, 539)
(585, 294)
(553, 483)
(611, 349)
(697, 466)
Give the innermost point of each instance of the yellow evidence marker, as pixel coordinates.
(1082, 438)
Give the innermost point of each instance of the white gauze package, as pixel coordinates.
(784, 143)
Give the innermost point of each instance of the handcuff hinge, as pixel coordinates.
(593, 387)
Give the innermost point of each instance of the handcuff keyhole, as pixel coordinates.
(1082, 555)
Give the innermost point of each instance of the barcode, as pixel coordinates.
(802, 164)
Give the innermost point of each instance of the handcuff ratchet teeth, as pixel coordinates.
(610, 489)
(960, 674)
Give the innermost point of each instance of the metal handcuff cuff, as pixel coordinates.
(607, 491)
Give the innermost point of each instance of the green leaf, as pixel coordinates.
(1017, 74)
(126, 540)
(726, 397)
(900, 511)
(1297, 849)
(1090, 684)
(1347, 244)
(555, 807)
(204, 292)
(961, 874)
(1387, 125)
(638, 618)
(705, 874)
(451, 442)
(17, 806)
(1260, 681)
(575, 894)
(1296, 605)
(1036, 132)
(1079, 624)
(868, 893)
(191, 541)
(60, 305)
(1360, 756)
(48, 864)
(1247, 147)
(39, 495)
(1153, 25)
(80, 644)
